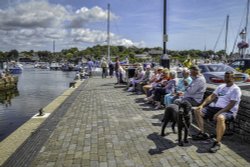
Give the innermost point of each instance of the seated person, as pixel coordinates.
(180, 89)
(195, 91)
(139, 74)
(144, 80)
(156, 77)
(168, 89)
(162, 82)
(228, 99)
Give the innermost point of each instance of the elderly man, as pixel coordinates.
(228, 99)
(195, 91)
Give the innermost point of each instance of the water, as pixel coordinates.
(36, 89)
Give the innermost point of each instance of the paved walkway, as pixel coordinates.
(103, 126)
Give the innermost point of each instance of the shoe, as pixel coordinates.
(158, 105)
(139, 93)
(200, 136)
(131, 89)
(215, 147)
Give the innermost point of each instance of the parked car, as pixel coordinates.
(214, 73)
(241, 65)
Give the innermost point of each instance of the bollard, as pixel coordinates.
(72, 84)
(40, 112)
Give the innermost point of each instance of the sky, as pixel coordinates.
(191, 24)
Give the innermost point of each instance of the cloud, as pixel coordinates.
(85, 15)
(32, 14)
(33, 25)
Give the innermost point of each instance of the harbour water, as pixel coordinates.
(36, 89)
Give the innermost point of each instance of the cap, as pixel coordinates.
(148, 66)
(194, 67)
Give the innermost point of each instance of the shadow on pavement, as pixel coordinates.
(160, 143)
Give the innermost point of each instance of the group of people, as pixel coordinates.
(162, 87)
(105, 65)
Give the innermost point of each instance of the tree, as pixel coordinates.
(13, 55)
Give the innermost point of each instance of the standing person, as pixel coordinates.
(117, 71)
(90, 67)
(104, 66)
(225, 109)
(111, 69)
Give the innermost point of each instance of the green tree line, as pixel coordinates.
(98, 51)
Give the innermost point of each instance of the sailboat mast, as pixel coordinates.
(108, 33)
(247, 18)
(226, 33)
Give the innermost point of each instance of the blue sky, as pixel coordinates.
(191, 24)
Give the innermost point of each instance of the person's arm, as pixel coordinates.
(208, 100)
(226, 109)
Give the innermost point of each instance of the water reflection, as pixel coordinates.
(36, 89)
(6, 96)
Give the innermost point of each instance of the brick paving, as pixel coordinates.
(105, 126)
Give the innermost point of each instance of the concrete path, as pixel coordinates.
(104, 126)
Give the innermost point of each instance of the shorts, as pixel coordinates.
(209, 113)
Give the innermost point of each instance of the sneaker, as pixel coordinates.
(130, 89)
(200, 136)
(215, 147)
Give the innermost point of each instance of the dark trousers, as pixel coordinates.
(104, 72)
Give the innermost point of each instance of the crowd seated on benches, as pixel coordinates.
(161, 85)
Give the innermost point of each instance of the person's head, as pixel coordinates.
(165, 73)
(185, 72)
(159, 70)
(148, 67)
(229, 77)
(172, 74)
(194, 70)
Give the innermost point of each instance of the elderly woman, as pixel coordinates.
(162, 82)
(137, 79)
(154, 78)
(169, 88)
(180, 89)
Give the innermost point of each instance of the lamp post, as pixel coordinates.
(164, 58)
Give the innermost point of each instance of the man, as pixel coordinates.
(90, 66)
(225, 108)
(104, 66)
(195, 91)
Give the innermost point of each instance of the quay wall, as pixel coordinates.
(241, 125)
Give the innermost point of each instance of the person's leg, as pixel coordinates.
(205, 113)
(220, 127)
(199, 119)
(103, 71)
(168, 99)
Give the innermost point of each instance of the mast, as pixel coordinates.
(246, 27)
(227, 20)
(108, 33)
(247, 19)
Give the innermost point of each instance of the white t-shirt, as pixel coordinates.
(226, 94)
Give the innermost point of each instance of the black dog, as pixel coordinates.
(170, 115)
(183, 121)
(181, 115)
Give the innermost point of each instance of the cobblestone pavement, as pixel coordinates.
(105, 126)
